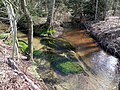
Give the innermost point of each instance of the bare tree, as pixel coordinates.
(51, 5)
(30, 29)
(115, 4)
(96, 11)
(13, 25)
(105, 9)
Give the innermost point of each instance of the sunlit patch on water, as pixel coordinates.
(104, 61)
(105, 68)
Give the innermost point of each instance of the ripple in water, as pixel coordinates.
(105, 68)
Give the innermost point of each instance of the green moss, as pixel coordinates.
(43, 31)
(8, 42)
(23, 46)
(37, 53)
(57, 44)
(63, 64)
(69, 67)
(3, 35)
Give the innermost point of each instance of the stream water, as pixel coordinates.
(101, 67)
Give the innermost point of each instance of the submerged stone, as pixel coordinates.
(63, 64)
(57, 44)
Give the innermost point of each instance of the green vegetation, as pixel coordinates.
(23, 46)
(44, 31)
(47, 32)
(57, 44)
(64, 62)
(8, 42)
(69, 67)
(4, 35)
(37, 53)
(59, 62)
(49, 18)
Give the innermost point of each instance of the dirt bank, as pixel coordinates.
(107, 34)
(16, 76)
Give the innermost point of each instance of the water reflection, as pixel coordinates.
(104, 66)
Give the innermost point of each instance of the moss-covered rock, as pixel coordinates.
(43, 31)
(69, 67)
(64, 64)
(58, 54)
(60, 63)
(57, 44)
(38, 29)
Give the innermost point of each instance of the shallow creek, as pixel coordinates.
(101, 68)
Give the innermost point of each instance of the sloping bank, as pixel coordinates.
(107, 34)
(15, 75)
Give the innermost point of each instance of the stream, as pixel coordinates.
(103, 74)
(101, 67)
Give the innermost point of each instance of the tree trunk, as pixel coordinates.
(51, 5)
(13, 25)
(96, 11)
(114, 8)
(30, 29)
(105, 10)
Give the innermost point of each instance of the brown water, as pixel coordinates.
(100, 67)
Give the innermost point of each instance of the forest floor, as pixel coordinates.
(16, 79)
(107, 34)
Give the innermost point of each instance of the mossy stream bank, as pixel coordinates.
(58, 62)
(54, 59)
